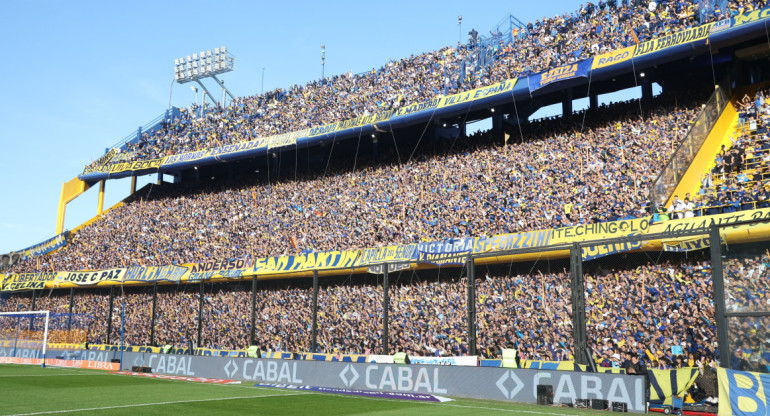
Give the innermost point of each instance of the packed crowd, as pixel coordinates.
(740, 177)
(545, 44)
(550, 176)
(665, 315)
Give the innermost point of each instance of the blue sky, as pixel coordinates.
(80, 76)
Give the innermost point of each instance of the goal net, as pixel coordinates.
(30, 337)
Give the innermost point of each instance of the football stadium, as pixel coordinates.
(358, 244)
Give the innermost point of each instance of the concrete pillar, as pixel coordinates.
(566, 105)
(100, 202)
(160, 178)
(593, 100)
(646, 90)
(133, 185)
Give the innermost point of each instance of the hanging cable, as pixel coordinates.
(636, 84)
(331, 150)
(355, 158)
(398, 154)
(423, 133)
(518, 118)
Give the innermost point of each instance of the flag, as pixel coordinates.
(633, 34)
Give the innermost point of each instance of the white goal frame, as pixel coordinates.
(47, 315)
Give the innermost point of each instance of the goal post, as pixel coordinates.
(25, 335)
(17, 330)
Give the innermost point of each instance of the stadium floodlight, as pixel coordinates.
(204, 64)
(323, 60)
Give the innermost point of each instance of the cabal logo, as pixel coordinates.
(503, 383)
(353, 375)
(230, 368)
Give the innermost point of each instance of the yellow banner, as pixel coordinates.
(679, 38)
(89, 278)
(478, 93)
(413, 108)
(306, 262)
(751, 17)
(743, 393)
(687, 244)
(134, 166)
(215, 151)
(380, 255)
(27, 281)
(704, 223)
(97, 165)
(356, 122)
(286, 139)
(600, 230)
(614, 57)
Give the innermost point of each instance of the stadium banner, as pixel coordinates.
(601, 250)
(356, 122)
(392, 267)
(322, 130)
(614, 57)
(218, 269)
(675, 39)
(687, 244)
(373, 256)
(213, 152)
(547, 365)
(45, 247)
(621, 228)
(452, 251)
(98, 163)
(578, 69)
(665, 384)
(704, 223)
(153, 274)
(414, 108)
(27, 281)
(540, 238)
(721, 26)
(751, 17)
(380, 359)
(487, 383)
(743, 393)
(306, 262)
(468, 361)
(286, 139)
(89, 278)
(503, 87)
(344, 358)
(133, 166)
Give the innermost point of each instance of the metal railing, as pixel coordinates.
(683, 156)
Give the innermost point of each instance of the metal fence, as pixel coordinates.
(649, 295)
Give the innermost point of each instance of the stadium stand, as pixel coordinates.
(547, 44)
(476, 188)
(554, 173)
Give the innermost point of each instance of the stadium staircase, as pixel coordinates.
(695, 154)
(725, 130)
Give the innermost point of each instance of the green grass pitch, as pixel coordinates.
(31, 390)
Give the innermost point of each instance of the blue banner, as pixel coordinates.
(578, 69)
(447, 252)
(46, 246)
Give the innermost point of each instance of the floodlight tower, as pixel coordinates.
(205, 65)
